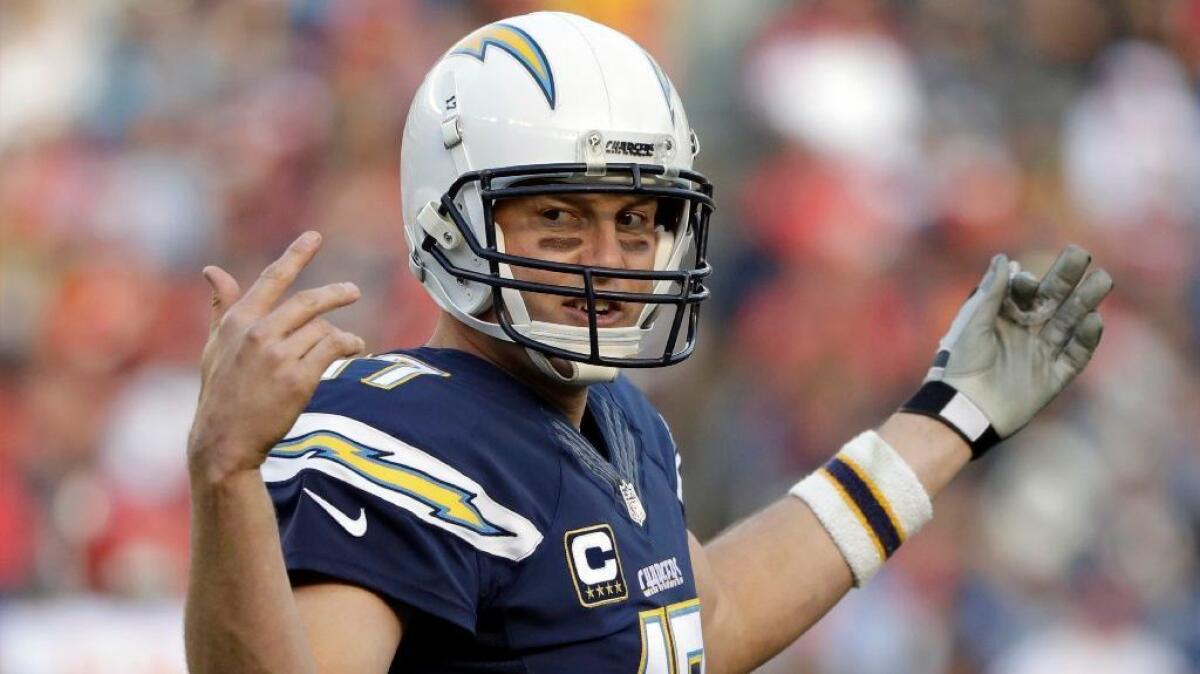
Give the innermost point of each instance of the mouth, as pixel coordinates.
(608, 313)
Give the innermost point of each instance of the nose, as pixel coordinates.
(605, 250)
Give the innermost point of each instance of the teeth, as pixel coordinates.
(602, 306)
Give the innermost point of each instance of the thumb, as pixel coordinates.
(225, 291)
(993, 288)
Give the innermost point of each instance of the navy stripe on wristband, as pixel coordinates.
(938, 400)
(853, 485)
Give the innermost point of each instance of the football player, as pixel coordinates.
(501, 499)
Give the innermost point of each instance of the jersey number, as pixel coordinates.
(394, 369)
(672, 642)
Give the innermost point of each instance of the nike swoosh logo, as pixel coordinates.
(355, 527)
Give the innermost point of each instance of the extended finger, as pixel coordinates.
(978, 313)
(280, 274)
(992, 290)
(336, 344)
(1083, 300)
(1082, 345)
(306, 305)
(225, 291)
(1064, 275)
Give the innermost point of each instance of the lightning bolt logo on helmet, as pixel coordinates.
(519, 44)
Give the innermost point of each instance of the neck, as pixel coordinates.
(450, 333)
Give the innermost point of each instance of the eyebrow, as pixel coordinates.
(582, 200)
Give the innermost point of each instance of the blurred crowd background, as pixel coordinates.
(869, 156)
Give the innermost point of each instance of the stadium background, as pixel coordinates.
(869, 157)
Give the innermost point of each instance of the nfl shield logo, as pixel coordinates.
(633, 503)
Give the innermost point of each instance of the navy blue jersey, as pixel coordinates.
(510, 541)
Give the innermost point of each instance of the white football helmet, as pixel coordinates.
(552, 103)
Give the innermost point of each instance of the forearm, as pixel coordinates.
(768, 580)
(241, 615)
(778, 572)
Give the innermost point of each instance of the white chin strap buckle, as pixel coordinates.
(581, 374)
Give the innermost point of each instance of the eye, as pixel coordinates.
(557, 215)
(631, 220)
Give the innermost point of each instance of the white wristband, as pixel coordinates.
(869, 500)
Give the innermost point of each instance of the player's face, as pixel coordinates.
(597, 230)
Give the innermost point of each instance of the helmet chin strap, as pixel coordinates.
(581, 374)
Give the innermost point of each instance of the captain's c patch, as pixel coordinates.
(595, 565)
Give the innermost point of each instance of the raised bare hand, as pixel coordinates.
(262, 361)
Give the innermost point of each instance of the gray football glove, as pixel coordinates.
(1002, 362)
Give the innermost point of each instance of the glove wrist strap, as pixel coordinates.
(941, 401)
